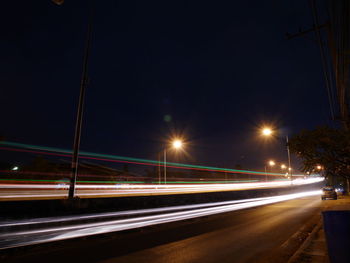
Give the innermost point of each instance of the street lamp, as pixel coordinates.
(176, 144)
(270, 163)
(267, 132)
(283, 166)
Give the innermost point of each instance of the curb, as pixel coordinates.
(306, 242)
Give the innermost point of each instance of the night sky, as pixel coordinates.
(212, 72)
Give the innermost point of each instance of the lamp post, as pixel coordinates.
(271, 163)
(267, 132)
(289, 166)
(176, 144)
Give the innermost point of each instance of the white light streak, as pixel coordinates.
(139, 219)
(140, 189)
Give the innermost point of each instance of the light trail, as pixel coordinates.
(95, 216)
(57, 189)
(95, 190)
(140, 219)
(121, 159)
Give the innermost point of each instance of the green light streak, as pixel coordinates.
(36, 180)
(130, 159)
(126, 182)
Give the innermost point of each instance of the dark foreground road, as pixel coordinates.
(263, 234)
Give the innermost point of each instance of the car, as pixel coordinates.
(329, 192)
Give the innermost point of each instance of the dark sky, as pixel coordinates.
(218, 69)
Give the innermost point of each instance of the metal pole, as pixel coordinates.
(164, 165)
(289, 168)
(265, 174)
(79, 120)
(159, 168)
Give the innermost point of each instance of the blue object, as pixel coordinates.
(337, 230)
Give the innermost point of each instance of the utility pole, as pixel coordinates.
(159, 174)
(165, 165)
(316, 28)
(80, 111)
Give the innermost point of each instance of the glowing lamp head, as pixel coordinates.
(266, 131)
(283, 166)
(177, 144)
(319, 167)
(272, 163)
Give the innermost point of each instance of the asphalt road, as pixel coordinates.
(261, 234)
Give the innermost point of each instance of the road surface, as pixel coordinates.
(257, 234)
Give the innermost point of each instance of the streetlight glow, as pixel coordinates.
(177, 144)
(266, 131)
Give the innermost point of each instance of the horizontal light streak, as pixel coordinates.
(65, 219)
(166, 186)
(115, 158)
(93, 190)
(149, 163)
(166, 215)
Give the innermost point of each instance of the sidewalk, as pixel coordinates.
(314, 248)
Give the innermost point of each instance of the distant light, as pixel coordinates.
(15, 168)
(266, 131)
(283, 166)
(290, 168)
(272, 163)
(319, 167)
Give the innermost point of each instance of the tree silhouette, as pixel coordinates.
(326, 147)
